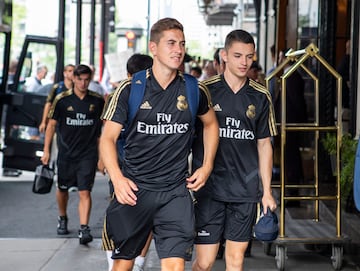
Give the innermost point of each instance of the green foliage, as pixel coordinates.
(304, 20)
(347, 159)
(330, 143)
(194, 49)
(112, 42)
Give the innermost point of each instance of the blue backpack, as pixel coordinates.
(138, 84)
(60, 88)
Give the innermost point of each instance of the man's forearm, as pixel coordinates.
(49, 134)
(265, 164)
(211, 141)
(109, 157)
(46, 112)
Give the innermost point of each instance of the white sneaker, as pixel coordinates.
(137, 267)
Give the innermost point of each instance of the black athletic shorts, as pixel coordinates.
(169, 214)
(80, 173)
(216, 220)
(106, 243)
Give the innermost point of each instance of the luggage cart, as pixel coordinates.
(310, 231)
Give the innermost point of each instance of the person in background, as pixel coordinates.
(75, 115)
(196, 72)
(253, 72)
(273, 86)
(33, 84)
(12, 70)
(11, 172)
(95, 85)
(208, 70)
(57, 88)
(151, 187)
(227, 205)
(137, 62)
(218, 63)
(344, 70)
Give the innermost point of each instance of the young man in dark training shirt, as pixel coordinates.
(75, 116)
(151, 188)
(227, 204)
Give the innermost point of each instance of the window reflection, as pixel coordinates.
(308, 32)
(308, 13)
(28, 133)
(308, 22)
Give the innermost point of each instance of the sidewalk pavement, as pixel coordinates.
(51, 254)
(67, 255)
(59, 254)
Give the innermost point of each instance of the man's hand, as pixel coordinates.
(42, 127)
(45, 158)
(198, 179)
(268, 201)
(124, 191)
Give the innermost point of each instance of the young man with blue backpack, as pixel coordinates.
(136, 66)
(151, 188)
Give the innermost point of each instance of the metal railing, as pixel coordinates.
(299, 57)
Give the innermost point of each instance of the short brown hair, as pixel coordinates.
(82, 69)
(69, 66)
(238, 35)
(162, 25)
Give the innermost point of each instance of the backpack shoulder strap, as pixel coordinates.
(138, 84)
(192, 92)
(60, 87)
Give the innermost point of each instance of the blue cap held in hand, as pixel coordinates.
(267, 229)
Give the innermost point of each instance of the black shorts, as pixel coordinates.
(80, 173)
(106, 243)
(169, 214)
(216, 220)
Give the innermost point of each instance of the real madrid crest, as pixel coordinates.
(91, 107)
(182, 103)
(250, 112)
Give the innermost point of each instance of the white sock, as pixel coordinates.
(109, 260)
(139, 260)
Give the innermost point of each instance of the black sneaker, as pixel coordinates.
(84, 235)
(62, 225)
